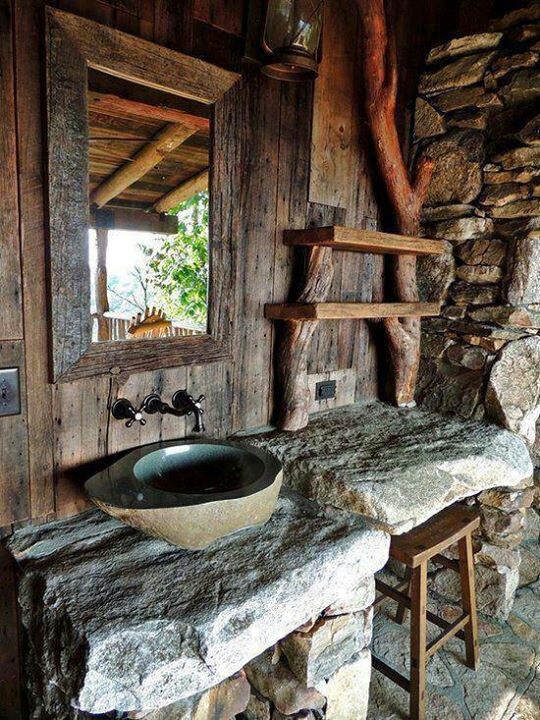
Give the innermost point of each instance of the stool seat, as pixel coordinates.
(433, 536)
(456, 524)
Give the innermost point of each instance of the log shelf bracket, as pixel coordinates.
(298, 320)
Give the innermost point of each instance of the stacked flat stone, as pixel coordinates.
(477, 117)
(120, 624)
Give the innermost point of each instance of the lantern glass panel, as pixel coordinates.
(293, 24)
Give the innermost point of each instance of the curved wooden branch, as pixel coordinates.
(292, 392)
(379, 63)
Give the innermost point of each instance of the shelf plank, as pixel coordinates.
(348, 311)
(338, 237)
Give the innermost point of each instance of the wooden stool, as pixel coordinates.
(415, 549)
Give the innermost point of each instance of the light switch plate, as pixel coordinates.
(10, 391)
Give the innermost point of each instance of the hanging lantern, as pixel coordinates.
(291, 39)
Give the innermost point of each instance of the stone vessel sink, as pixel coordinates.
(190, 492)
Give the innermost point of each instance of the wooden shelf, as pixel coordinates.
(348, 311)
(365, 241)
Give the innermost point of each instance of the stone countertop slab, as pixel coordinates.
(120, 621)
(398, 466)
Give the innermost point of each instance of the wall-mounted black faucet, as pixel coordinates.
(182, 404)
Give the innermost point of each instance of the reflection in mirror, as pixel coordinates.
(149, 212)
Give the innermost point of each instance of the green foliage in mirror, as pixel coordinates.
(178, 271)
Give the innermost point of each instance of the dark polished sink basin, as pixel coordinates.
(190, 492)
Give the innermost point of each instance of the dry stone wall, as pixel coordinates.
(478, 117)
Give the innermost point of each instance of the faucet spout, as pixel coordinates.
(182, 404)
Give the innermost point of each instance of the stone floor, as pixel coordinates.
(507, 684)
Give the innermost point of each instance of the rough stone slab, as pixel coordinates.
(271, 676)
(513, 392)
(521, 15)
(511, 176)
(468, 118)
(143, 624)
(396, 465)
(519, 317)
(482, 252)
(475, 97)
(518, 209)
(523, 86)
(457, 176)
(500, 195)
(448, 212)
(316, 655)
(479, 274)
(505, 64)
(524, 271)
(464, 293)
(435, 275)
(467, 70)
(518, 157)
(427, 120)
(464, 45)
(462, 229)
(530, 134)
(347, 692)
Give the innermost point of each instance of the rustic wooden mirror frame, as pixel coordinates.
(74, 45)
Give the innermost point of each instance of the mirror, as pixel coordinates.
(140, 272)
(148, 163)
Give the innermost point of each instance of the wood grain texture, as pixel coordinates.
(365, 241)
(353, 311)
(69, 53)
(10, 263)
(29, 32)
(184, 191)
(406, 194)
(67, 129)
(14, 485)
(167, 140)
(292, 391)
(137, 220)
(228, 16)
(168, 71)
(114, 105)
(340, 148)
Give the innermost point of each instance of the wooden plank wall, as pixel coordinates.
(282, 164)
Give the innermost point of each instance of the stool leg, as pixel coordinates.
(418, 642)
(468, 599)
(400, 612)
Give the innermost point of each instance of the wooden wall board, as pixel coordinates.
(335, 118)
(14, 488)
(11, 322)
(29, 35)
(258, 113)
(345, 389)
(228, 15)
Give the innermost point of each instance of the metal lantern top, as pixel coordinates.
(291, 39)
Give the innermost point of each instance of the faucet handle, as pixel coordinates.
(122, 409)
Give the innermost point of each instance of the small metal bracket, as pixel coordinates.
(10, 391)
